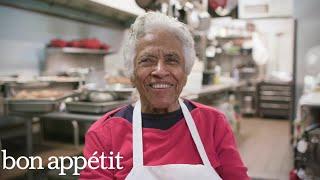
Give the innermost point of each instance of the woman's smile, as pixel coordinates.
(161, 85)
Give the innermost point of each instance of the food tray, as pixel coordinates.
(94, 107)
(36, 105)
(32, 106)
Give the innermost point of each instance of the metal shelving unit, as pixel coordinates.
(90, 11)
(275, 99)
(73, 50)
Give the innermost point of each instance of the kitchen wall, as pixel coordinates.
(307, 14)
(279, 38)
(25, 34)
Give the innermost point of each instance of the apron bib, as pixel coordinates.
(171, 171)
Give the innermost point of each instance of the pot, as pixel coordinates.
(149, 4)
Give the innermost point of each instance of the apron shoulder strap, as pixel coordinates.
(194, 133)
(137, 143)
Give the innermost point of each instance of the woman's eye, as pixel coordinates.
(172, 61)
(145, 61)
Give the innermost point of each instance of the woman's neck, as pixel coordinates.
(145, 108)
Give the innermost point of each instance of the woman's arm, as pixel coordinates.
(231, 166)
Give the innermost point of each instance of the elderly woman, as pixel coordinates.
(162, 136)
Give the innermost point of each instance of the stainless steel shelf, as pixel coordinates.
(73, 50)
(90, 11)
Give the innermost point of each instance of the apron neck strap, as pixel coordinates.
(194, 133)
(137, 135)
(137, 139)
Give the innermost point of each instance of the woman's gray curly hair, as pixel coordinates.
(152, 21)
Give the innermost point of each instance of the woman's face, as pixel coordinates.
(159, 71)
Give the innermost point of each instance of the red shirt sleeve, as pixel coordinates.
(95, 143)
(231, 166)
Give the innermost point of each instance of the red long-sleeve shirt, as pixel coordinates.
(171, 146)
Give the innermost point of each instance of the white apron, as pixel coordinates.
(171, 171)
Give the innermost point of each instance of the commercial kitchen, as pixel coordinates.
(258, 61)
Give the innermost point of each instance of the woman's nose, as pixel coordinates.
(160, 69)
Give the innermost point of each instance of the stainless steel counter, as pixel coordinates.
(72, 116)
(212, 89)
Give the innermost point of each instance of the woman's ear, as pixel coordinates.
(185, 79)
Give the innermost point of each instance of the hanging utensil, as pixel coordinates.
(223, 7)
(149, 4)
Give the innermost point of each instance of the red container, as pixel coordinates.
(74, 43)
(104, 47)
(58, 43)
(88, 43)
(91, 43)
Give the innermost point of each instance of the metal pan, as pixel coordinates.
(36, 105)
(94, 107)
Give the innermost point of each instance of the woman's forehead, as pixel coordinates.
(159, 40)
(156, 51)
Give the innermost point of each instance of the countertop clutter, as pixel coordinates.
(258, 62)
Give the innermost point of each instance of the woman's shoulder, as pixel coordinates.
(107, 120)
(209, 116)
(207, 109)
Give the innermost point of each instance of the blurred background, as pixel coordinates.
(258, 61)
